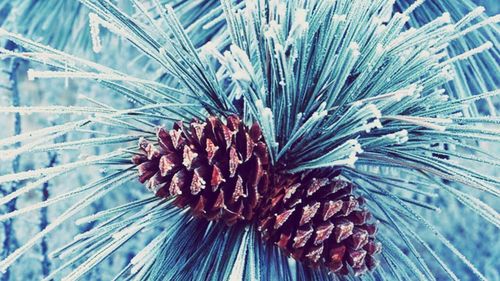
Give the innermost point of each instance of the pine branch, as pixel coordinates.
(9, 234)
(342, 94)
(44, 220)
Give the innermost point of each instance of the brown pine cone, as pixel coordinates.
(318, 221)
(221, 171)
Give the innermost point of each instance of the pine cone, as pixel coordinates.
(319, 222)
(220, 171)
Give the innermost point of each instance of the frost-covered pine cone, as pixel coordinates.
(219, 170)
(319, 221)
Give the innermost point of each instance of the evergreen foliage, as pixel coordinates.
(398, 97)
